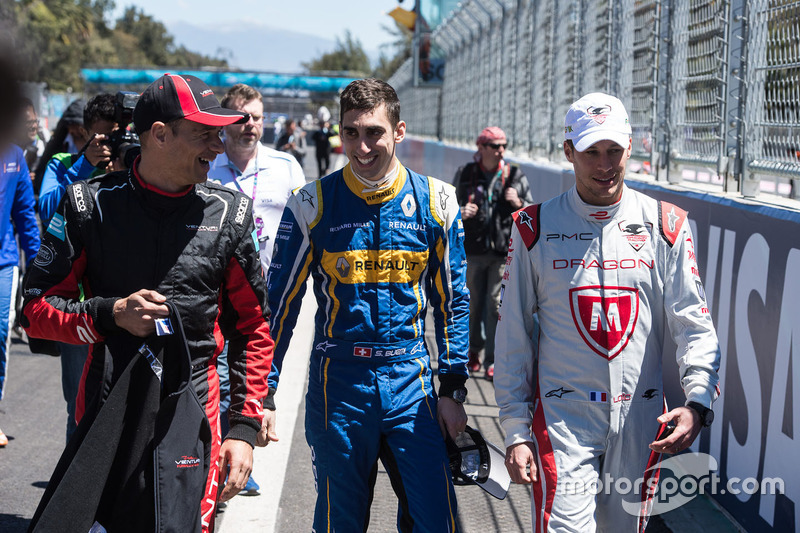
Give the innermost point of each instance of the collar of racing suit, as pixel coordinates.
(596, 213)
(371, 186)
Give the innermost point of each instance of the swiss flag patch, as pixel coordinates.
(361, 351)
(527, 221)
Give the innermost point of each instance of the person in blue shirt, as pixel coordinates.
(17, 214)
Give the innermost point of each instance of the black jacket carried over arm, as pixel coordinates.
(140, 463)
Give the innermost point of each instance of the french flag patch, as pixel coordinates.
(595, 396)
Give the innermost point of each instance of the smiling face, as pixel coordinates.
(599, 171)
(369, 141)
(192, 147)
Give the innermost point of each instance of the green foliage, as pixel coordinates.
(399, 49)
(54, 39)
(348, 56)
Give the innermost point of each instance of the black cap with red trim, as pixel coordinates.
(172, 96)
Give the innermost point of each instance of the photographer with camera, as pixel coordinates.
(62, 169)
(91, 160)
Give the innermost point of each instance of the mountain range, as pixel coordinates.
(249, 45)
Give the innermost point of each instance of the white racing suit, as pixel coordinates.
(604, 283)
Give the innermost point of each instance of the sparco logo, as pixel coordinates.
(605, 317)
(187, 461)
(241, 211)
(80, 203)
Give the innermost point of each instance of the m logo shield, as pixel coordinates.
(605, 317)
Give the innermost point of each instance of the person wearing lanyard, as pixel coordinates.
(268, 177)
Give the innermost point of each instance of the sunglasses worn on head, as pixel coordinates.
(496, 146)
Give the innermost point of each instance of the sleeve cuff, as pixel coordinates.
(105, 317)
(244, 432)
(450, 382)
(517, 432)
(269, 401)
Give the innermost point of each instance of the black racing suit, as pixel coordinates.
(114, 235)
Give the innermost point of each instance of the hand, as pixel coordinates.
(137, 313)
(518, 458)
(98, 153)
(687, 427)
(267, 433)
(468, 211)
(235, 460)
(512, 196)
(452, 417)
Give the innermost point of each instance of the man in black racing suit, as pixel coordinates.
(121, 245)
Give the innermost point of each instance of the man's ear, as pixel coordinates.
(400, 132)
(159, 133)
(568, 151)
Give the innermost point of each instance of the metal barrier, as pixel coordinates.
(712, 86)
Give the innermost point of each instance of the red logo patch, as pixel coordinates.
(605, 317)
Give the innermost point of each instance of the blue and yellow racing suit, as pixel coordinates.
(377, 260)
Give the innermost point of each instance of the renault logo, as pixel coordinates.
(409, 205)
(343, 267)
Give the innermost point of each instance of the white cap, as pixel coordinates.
(597, 117)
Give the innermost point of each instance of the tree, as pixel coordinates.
(399, 50)
(348, 56)
(54, 39)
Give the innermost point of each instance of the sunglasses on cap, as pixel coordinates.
(496, 146)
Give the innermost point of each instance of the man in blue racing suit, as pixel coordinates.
(380, 242)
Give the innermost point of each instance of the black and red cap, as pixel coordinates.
(173, 96)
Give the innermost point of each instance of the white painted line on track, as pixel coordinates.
(260, 513)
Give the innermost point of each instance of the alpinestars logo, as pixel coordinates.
(443, 197)
(605, 317)
(305, 196)
(525, 218)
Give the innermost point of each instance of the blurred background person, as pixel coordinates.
(322, 147)
(292, 140)
(17, 219)
(68, 137)
(489, 189)
(30, 135)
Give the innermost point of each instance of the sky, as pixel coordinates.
(322, 18)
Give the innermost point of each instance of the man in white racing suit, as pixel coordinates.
(604, 271)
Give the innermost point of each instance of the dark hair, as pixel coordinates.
(239, 92)
(368, 94)
(72, 115)
(25, 103)
(101, 107)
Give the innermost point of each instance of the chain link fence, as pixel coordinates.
(712, 87)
